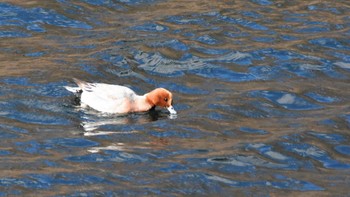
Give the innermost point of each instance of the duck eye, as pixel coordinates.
(166, 99)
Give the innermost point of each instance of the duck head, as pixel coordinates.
(161, 97)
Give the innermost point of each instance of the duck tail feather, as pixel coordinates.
(80, 83)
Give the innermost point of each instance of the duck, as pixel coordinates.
(118, 99)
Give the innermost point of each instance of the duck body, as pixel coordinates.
(120, 99)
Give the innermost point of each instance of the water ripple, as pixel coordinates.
(332, 138)
(32, 19)
(287, 100)
(259, 86)
(150, 27)
(173, 44)
(243, 22)
(109, 156)
(313, 152)
(252, 130)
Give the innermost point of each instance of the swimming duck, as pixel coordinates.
(120, 99)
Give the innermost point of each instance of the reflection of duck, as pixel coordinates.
(103, 124)
(120, 99)
(153, 144)
(157, 143)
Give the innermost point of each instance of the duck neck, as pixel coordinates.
(142, 103)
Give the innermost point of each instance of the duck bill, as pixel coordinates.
(171, 109)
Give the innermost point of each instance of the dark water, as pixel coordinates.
(261, 88)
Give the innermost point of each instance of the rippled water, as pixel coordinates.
(261, 88)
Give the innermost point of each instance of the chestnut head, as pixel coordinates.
(161, 97)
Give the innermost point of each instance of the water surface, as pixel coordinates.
(261, 90)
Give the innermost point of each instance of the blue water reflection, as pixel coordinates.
(32, 19)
